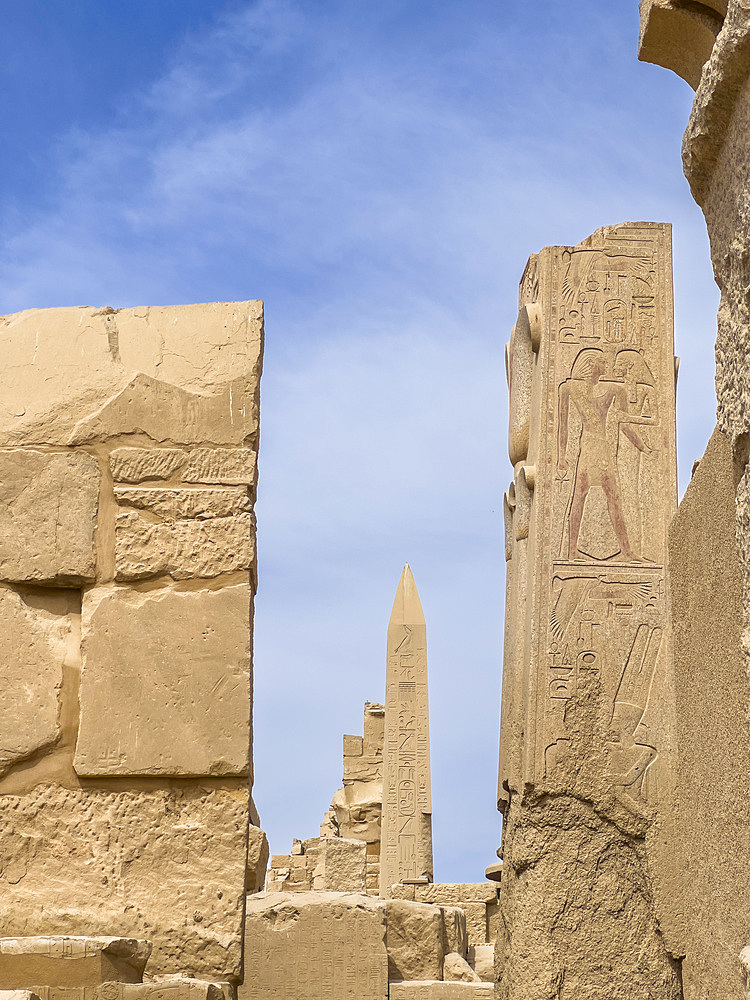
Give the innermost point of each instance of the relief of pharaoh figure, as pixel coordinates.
(604, 408)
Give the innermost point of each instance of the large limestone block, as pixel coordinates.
(162, 865)
(183, 549)
(172, 988)
(33, 650)
(199, 465)
(30, 962)
(18, 995)
(455, 937)
(441, 991)
(415, 940)
(340, 865)
(314, 946)
(48, 510)
(482, 961)
(456, 893)
(165, 686)
(457, 970)
(178, 374)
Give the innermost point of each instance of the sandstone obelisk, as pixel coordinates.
(406, 842)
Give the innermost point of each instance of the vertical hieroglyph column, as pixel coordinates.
(406, 840)
(587, 720)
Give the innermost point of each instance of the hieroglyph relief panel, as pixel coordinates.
(592, 379)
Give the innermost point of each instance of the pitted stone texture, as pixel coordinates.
(415, 940)
(71, 961)
(171, 988)
(33, 649)
(178, 374)
(183, 549)
(226, 466)
(48, 511)
(482, 961)
(457, 970)
(314, 946)
(165, 866)
(200, 502)
(580, 883)
(165, 686)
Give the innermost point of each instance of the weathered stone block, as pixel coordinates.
(257, 859)
(162, 865)
(48, 513)
(18, 995)
(456, 893)
(342, 865)
(183, 549)
(457, 970)
(31, 962)
(197, 465)
(33, 650)
(441, 991)
(314, 946)
(178, 664)
(482, 961)
(454, 930)
(172, 988)
(414, 940)
(183, 503)
(476, 922)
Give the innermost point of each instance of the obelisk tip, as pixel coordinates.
(407, 608)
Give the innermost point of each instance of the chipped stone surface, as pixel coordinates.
(71, 961)
(165, 686)
(314, 946)
(415, 940)
(457, 970)
(167, 866)
(222, 465)
(183, 549)
(48, 509)
(165, 372)
(33, 650)
(257, 859)
(136, 465)
(199, 502)
(482, 961)
(171, 988)
(198, 465)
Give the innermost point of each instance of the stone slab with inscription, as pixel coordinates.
(587, 735)
(406, 837)
(315, 946)
(431, 990)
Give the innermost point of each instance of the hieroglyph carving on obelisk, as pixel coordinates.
(592, 439)
(406, 842)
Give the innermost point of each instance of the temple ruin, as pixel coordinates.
(133, 865)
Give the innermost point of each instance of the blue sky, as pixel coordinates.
(378, 174)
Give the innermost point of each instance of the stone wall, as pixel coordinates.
(128, 448)
(711, 570)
